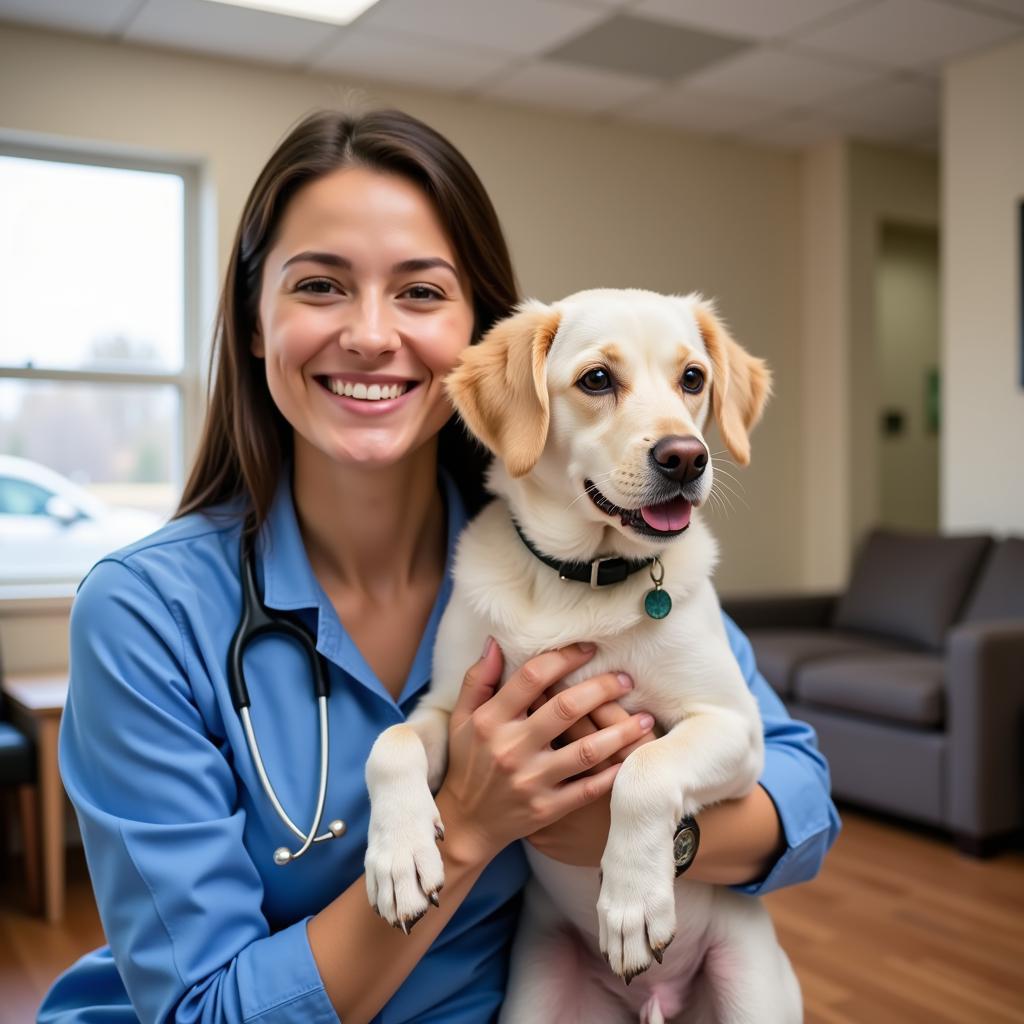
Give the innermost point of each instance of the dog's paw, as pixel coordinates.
(636, 910)
(404, 871)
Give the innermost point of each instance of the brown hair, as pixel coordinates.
(245, 439)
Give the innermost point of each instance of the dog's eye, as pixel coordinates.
(596, 381)
(693, 380)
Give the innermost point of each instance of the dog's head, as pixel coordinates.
(606, 393)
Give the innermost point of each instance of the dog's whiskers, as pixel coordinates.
(583, 494)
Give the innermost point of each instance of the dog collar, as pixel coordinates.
(603, 572)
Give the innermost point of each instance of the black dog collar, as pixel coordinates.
(601, 572)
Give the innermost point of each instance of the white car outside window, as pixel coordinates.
(52, 530)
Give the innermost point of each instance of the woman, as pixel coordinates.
(367, 258)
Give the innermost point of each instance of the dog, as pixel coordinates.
(595, 407)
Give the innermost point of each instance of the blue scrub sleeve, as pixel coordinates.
(157, 803)
(795, 776)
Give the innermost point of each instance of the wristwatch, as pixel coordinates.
(685, 843)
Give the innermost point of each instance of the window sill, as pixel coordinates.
(24, 599)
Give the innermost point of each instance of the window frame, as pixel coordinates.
(190, 381)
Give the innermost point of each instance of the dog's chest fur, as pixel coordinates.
(529, 609)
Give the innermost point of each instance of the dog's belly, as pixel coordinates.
(573, 893)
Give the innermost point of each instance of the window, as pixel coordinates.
(99, 366)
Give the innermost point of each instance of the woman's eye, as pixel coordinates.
(316, 286)
(693, 380)
(422, 292)
(596, 381)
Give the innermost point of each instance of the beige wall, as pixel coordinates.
(848, 191)
(907, 289)
(585, 202)
(983, 403)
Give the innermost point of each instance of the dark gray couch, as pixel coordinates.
(913, 679)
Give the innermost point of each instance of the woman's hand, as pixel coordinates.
(505, 780)
(579, 838)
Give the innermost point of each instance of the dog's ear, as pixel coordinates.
(741, 385)
(500, 387)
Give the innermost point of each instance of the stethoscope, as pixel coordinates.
(257, 621)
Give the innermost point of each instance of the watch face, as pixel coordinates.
(684, 847)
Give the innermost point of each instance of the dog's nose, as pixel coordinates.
(682, 459)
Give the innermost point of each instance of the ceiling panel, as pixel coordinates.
(910, 33)
(797, 79)
(642, 46)
(762, 20)
(526, 27)
(95, 16)
(561, 86)
(392, 56)
(224, 29)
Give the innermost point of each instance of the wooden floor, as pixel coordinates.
(898, 928)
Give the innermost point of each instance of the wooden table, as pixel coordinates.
(36, 703)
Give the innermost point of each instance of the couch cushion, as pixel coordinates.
(780, 652)
(999, 593)
(910, 586)
(896, 687)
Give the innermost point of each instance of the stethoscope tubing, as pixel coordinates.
(256, 620)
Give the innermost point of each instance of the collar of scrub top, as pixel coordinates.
(289, 584)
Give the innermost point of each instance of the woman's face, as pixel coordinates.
(362, 313)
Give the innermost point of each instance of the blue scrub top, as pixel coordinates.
(179, 835)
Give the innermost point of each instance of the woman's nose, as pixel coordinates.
(371, 330)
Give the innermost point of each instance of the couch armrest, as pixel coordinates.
(782, 611)
(985, 712)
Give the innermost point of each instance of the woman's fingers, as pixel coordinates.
(535, 676)
(580, 792)
(584, 754)
(479, 683)
(572, 704)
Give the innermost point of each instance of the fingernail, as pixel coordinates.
(488, 644)
(646, 722)
(624, 681)
(586, 647)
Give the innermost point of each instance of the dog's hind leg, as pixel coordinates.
(553, 977)
(748, 974)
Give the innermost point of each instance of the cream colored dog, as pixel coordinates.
(594, 407)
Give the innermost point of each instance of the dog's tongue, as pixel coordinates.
(669, 516)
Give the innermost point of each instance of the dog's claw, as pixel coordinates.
(403, 926)
(658, 954)
(407, 926)
(433, 899)
(439, 833)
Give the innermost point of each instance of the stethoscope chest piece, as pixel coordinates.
(257, 621)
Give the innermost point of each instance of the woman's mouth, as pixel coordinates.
(664, 519)
(367, 395)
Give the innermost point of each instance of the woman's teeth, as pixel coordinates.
(367, 392)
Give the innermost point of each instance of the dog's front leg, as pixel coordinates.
(407, 764)
(712, 753)
(403, 865)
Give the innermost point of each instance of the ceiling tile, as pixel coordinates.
(1014, 8)
(569, 88)
(223, 29)
(395, 57)
(796, 79)
(642, 46)
(526, 27)
(910, 33)
(741, 17)
(698, 110)
(96, 16)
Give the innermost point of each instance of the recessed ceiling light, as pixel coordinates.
(337, 12)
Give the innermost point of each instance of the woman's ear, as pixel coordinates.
(740, 386)
(500, 387)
